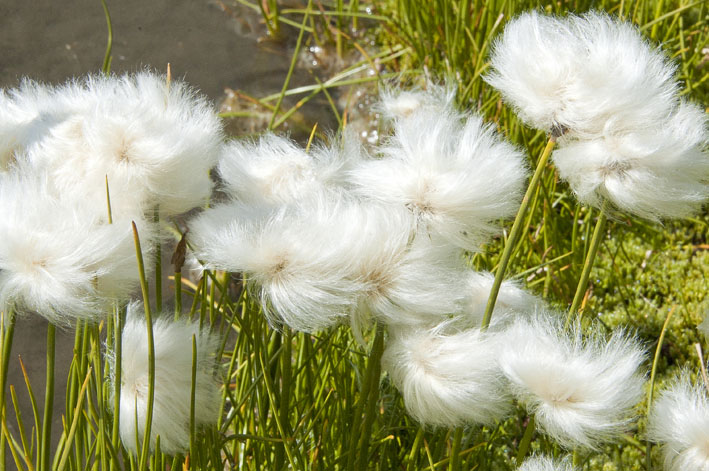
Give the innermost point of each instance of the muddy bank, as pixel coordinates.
(207, 46)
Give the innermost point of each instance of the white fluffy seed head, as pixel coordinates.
(545, 463)
(58, 257)
(457, 179)
(679, 420)
(658, 172)
(512, 301)
(448, 380)
(408, 283)
(304, 259)
(154, 142)
(574, 74)
(581, 389)
(173, 381)
(398, 103)
(28, 113)
(275, 170)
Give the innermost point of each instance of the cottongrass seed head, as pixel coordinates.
(657, 172)
(545, 463)
(448, 380)
(58, 257)
(611, 98)
(679, 420)
(300, 259)
(458, 179)
(276, 171)
(396, 102)
(574, 74)
(582, 389)
(173, 381)
(154, 141)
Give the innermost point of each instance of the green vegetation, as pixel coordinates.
(301, 401)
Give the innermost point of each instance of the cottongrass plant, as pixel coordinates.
(679, 421)
(81, 161)
(612, 100)
(295, 257)
(581, 388)
(396, 102)
(334, 234)
(184, 356)
(596, 86)
(275, 171)
(320, 245)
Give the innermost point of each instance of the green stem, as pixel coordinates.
(178, 294)
(588, 264)
(48, 400)
(8, 329)
(98, 376)
(106, 67)
(515, 232)
(193, 389)
(117, 372)
(454, 463)
(291, 69)
(108, 203)
(411, 466)
(158, 267)
(151, 352)
(284, 399)
(526, 440)
(367, 404)
(655, 360)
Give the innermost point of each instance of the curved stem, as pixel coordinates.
(588, 264)
(515, 232)
(411, 466)
(151, 352)
(107, 58)
(648, 458)
(373, 369)
(48, 399)
(454, 464)
(526, 440)
(6, 334)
